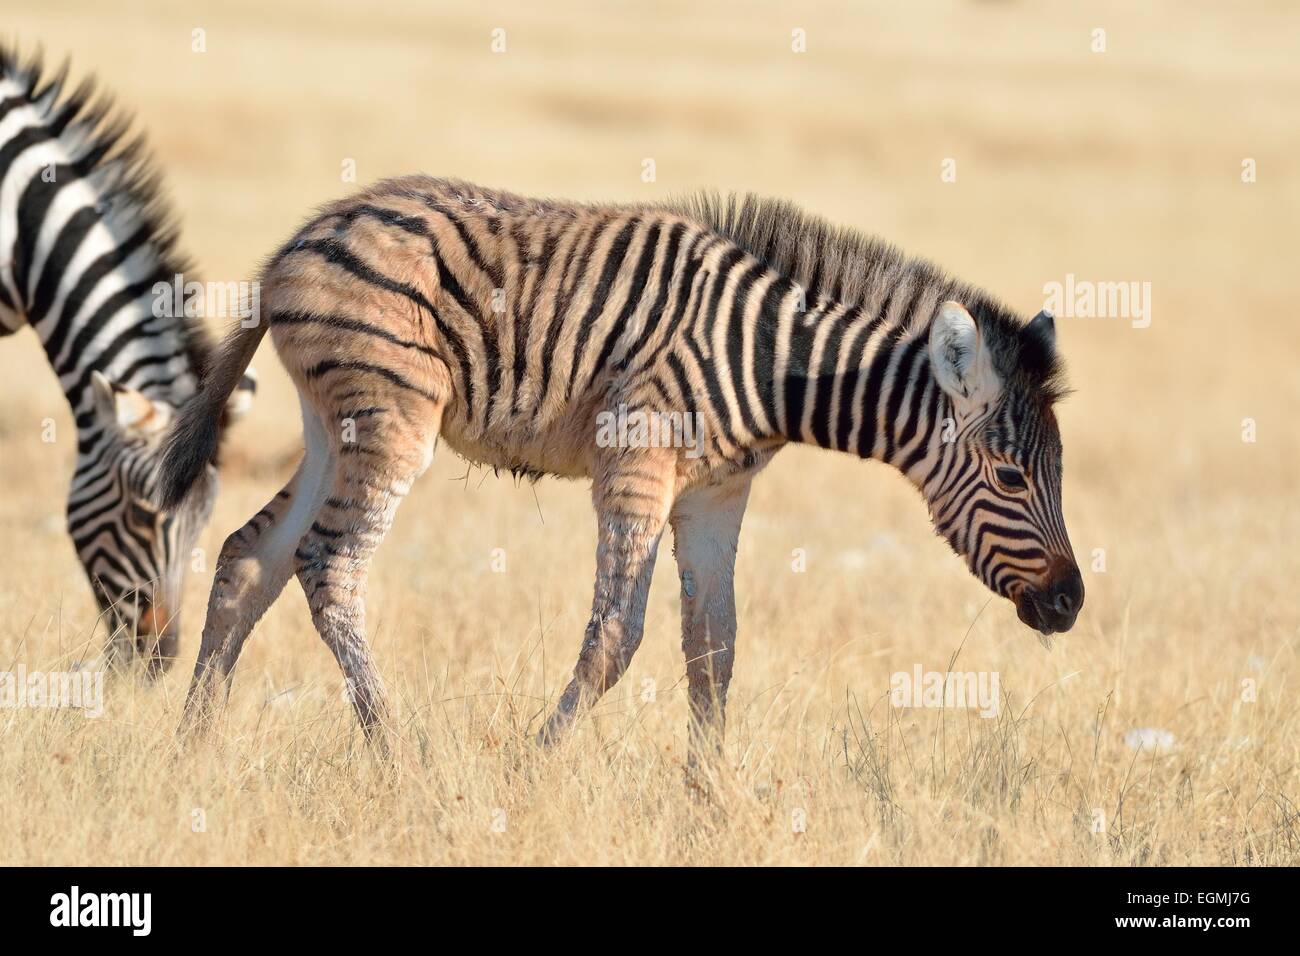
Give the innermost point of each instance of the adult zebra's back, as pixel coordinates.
(664, 352)
(85, 241)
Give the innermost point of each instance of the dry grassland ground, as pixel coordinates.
(1115, 166)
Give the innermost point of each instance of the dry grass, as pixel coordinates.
(1117, 166)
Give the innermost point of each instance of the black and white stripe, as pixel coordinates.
(84, 240)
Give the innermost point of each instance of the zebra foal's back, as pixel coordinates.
(521, 318)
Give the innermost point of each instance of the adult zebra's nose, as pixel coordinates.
(158, 638)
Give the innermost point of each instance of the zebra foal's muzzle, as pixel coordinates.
(1053, 608)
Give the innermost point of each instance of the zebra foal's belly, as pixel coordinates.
(564, 449)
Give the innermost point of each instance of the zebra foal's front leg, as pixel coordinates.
(632, 495)
(706, 529)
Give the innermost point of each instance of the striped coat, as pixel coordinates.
(85, 242)
(527, 334)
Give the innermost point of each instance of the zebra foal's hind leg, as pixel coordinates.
(375, 468)
(254, 565)
(632, 494)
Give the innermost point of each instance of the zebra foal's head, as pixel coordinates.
(995, 490)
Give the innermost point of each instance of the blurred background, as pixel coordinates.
(1115, 142)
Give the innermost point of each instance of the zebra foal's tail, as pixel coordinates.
(195, 435)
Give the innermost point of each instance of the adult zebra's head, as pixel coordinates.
(89, 259)
(134, 553)
(995, 494)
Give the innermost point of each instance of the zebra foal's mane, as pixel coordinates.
(857, 269)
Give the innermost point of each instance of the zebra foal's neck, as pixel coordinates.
(857, 378)
(846, 344)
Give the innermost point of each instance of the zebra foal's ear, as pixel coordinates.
(1042, 329)
(127, 410)
(960, 361)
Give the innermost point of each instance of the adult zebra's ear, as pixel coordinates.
(127, 410)
(960, 360)
(241, 399)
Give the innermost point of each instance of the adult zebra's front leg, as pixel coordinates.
(706, 528)
(632, 492)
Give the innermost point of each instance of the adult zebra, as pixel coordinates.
(85, 239)
(514, 328)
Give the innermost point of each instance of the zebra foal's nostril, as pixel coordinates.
(1067, 593)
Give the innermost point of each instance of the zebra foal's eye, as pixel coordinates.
(1010, 478)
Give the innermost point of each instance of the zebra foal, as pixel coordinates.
(423, 308)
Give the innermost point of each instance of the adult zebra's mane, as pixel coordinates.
(97, 135)
(854, 268)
